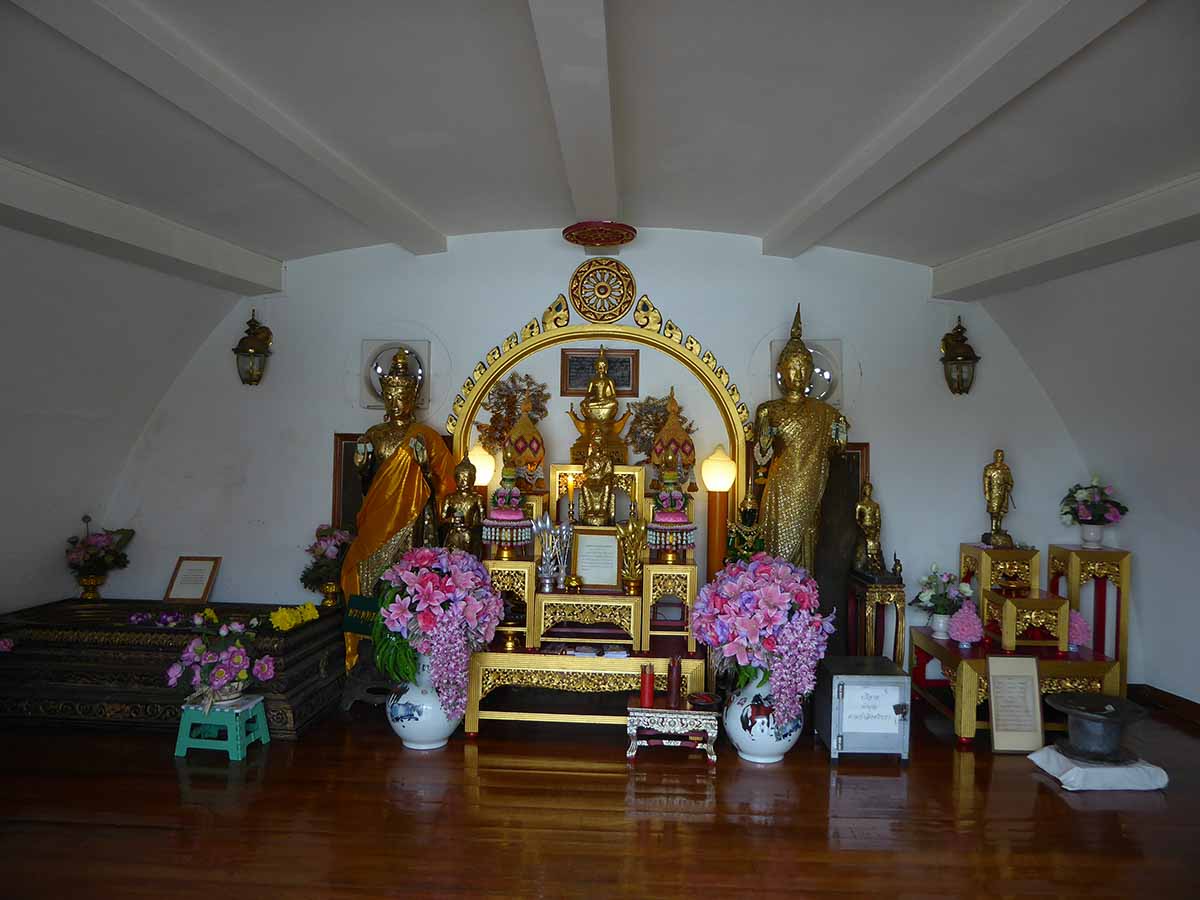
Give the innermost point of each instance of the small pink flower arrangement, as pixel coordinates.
(965, 625)
(1091, 504)
(1079, 632)
(762, 615)
(438, 603)
(507, 498)
(221, 666)
(99, 552)
(6, 645)
(327, 552)
(671, 501)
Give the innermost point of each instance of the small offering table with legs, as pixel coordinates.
(965, 673)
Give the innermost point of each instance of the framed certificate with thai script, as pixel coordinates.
(594, 557)
(193, 579)
(1015, 704)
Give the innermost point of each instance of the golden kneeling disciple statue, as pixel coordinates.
(800, 433)
(997, 491)
(463, 511)
(595, 495)
(389, 458)
(599, 409)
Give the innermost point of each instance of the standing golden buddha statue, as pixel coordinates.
(868, 553)
(800, 433)
(997, 491)
(389, 457)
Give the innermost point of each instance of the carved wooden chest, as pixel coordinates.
(84, 664)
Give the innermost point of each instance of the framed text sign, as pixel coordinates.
(1015, 704)
(193, 578)
(594, 557)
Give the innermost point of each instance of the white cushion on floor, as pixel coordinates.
(1083, 776)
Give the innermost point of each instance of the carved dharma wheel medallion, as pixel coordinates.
(602, 290)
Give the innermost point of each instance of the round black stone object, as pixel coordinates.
(1095, 723)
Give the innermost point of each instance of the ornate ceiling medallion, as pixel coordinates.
(599, 234)
(602, 290)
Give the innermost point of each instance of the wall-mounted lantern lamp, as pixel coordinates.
(252, 351)
(958, 359)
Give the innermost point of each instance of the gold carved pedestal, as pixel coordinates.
(669, 580)
(879, 595)
(1016, 614)
(1104, 566)
(517, 576)
(621, 610)
(994, 567)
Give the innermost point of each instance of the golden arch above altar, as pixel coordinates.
(648, 330)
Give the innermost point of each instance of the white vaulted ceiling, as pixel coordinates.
(923, 130)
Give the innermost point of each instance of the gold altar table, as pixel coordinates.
(966, 675)
(622, 610)
(1102, 565)
(581, 674)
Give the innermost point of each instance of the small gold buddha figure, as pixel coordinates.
(997, 491)
(594, 498)
(599, 409)
(632, 542)
(464, 511)
(868, 555)
(799, 433)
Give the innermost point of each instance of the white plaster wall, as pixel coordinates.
(90, 346)
(245, 473)
(1115, 349)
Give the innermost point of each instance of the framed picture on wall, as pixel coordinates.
(579, 367)
(193, 579)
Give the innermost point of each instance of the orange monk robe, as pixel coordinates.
(396, 497)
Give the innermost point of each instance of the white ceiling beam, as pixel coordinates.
(1037, 39)
(131, 38)
(52, 208)
(1144, 223)
(572, 38)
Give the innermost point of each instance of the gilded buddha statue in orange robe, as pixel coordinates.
(390, 457)
(800, 433)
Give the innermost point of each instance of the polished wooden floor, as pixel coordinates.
(554, 812)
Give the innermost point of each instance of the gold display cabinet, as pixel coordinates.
(669, 580)
(1103, 565)
(995, 567)
(620, 610)
(1017, 614)
(517, 576)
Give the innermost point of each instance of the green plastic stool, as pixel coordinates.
(243, 721)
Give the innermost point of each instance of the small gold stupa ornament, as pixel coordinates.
(528, 451)
(673, 439)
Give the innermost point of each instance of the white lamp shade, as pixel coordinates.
(484, 463)
(719, 471)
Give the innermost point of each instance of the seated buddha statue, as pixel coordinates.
(390, 457)
(599, 414)
(594, 497)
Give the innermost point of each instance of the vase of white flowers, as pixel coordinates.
(1091, 507)
(941, 594)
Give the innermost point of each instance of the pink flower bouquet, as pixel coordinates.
(220, 664)
(965, 625)
(762, 615)
(327, 552)
(1091, 504)
(99, 552)
(1079, 632)
(438, 603)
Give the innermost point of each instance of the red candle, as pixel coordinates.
(674, 682)
(647, 698)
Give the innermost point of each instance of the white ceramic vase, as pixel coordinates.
(416, 714)
(751, 725)
(1091, 536)
(941, 625)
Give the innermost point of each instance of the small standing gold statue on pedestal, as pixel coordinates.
(997, 491)
(868, 555)
(599, 409)
(632, 537)
(464, 512)
(595, 495)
